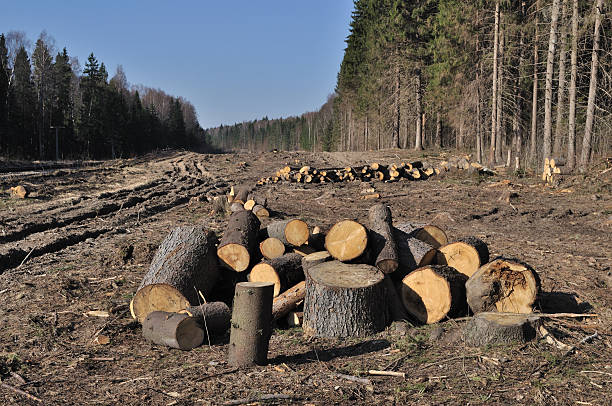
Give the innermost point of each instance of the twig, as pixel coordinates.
(550, 339)
(18, 377)
(584, 340)
(386, 373)
(26, 258)
(561, 315)
(19, 391)
(276, 396)
(364, 381)
(204, 317)
(596, 372)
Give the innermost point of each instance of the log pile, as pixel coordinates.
(418, 170)
(554, 169)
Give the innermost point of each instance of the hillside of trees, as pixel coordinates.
(42, 94)
(503, 79)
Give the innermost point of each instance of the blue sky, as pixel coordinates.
(234, 60)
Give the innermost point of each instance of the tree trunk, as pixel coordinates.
(173, 330)
(284, 272)
(397, 110)
(561, 89)
(251, 324)
(550, 60)
(466, 255)
(571, 137)
(494, 96)
(413, 253)
(213, 316)
(500, 328)
(499, 124)
(533, 151)
(344, 300)
(428, 233)
(290, 232)
(238, 246)
(288, 300)
(434, 292)
(503, 285)
(184, 265)
(346, 240)
(585, 155)
(418, 143)
(438, 137)
(384, 248)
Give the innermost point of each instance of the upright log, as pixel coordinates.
(344, 300)
(184, 264)
(382, 240)
(503, 285)
(284, 272)
(173, 330)
(251, 324)
(466, 255)
(346, 240)
(239, 243)
(291, 231)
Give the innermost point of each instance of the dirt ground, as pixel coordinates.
(84, 238)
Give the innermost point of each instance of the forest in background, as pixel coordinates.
(503, 79)
(46, 93)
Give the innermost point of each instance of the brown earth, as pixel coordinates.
(83, 240)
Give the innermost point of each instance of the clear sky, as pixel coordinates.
(234, 60)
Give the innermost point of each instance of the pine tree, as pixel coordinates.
(4, 92)
(22, 101)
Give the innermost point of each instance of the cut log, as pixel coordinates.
(220, 205)
(19, 192)
(466, 255)
(500, 328)
(294, 319)
(239, 243)
(260, 211)
(288, 300)
(503, 285)
(397, 311)
(213, 316)
(236, 207)
(556, 162)
(173, 330)
(382, 240)
(412, 252)
(249, 204)
(313, 259)
(251, 324)
(432, 235)
(346, 240)
(344, 300)
(272, 248)
(184, 264)
(284, 272)
(434, 292)
(291, 232)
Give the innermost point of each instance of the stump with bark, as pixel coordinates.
(434, 292)
(465, 255)
(238, 246)
(291, 231)
(213, 316)
(346, 240)
(184, 265)
(500, 328)
(284, 272)
(344, 300)
(251, 324)
(382, 240)
(503, 285)
(271, 248)
(173, 330)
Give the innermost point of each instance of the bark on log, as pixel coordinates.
(433, 292)
(260, 211)
(344, 300)
(242, 194)
(291, 232)
(251, 324)
(236, 207)
(432, 235)
(466, 255)
(284, 272)
(413, 253)
(184, 264)
(173, 330)
(213, 316)
(382, 240)
(397, 311)
(288, 300)
(500, 328)
(346, 240)
(239, 243)
(503, 285)
(271, 248)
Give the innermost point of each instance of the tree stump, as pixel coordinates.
(500, 328)
(382, 240)
(288, 300)
(291, 232)
(346, 240)
(213, 316)
(466, 255)
(184, 264)
(344, 300)
(251, 324)
(271, 248)
(433, 292)
(173, 330)
(412, 252)
(428, 233)
(239, 243)
(503, 285)
(284, 272)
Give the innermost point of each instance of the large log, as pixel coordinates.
(413, 253)
(184, 264)
(291, 231)
(288, 300)
(382, 240)
(284, 272)
(271, 248)
(434, 292)
(173, 330)
(500, 328)
(251, 324)
(465, 255)
(213, 316)
(432, 235)
(346, 240)
(239, 243)
(344, 300)
(503, 285)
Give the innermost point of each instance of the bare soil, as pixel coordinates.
(84, 238)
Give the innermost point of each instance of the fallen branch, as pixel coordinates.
(386, 373)
(584, 340)
(550, 339)
(26, 258)
(245, 401)
(364, 381)
(22, 393)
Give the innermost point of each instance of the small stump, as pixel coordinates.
(500, 328)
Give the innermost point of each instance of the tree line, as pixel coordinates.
(524, 79)
(51, 106)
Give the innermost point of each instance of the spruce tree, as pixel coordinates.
(4, 91)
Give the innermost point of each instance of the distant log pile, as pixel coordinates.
(554, 169)
(418, 170)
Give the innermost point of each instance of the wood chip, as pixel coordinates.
(102, 340)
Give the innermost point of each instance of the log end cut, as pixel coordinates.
(236, 256)
(346, 240)
(158, 296)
